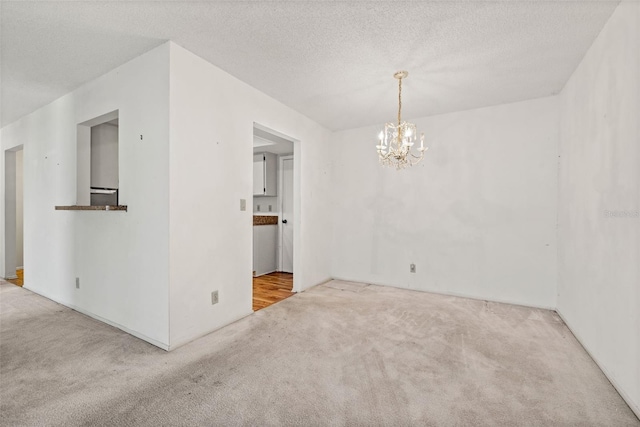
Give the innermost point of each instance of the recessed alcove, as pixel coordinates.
(97, 176)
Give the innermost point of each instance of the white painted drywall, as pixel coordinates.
(19, 210)
(264, 202)
(104, 156)
(121, 258)
(477, 216)
(599, 200)
(212, 120)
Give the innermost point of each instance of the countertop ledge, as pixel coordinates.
(92, 208)
(265, 220)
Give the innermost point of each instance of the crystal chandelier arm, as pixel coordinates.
(417, 157)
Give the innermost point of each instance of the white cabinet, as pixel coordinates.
(265, 166)
(265, 238)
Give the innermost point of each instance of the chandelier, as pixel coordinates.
(395, 146)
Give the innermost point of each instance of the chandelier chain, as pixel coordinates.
(399, 100)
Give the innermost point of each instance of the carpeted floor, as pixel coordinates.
(338, 354)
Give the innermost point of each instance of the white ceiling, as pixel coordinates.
(332, 61)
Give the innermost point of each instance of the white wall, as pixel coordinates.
(104, 156)
(264, 203)
(121, 258)
(212, 120)
(477, 216)
(599, 268)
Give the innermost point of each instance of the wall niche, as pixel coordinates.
(98, 163)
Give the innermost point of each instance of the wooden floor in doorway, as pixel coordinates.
(19, 281)
(270, 288)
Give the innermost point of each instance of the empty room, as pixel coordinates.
(420, 213)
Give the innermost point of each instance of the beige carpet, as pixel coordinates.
(338, 354)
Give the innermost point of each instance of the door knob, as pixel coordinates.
(284, 221)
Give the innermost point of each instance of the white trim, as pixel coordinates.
(632, 405)
(136, 334)
(322, 282)
(273, 132)
(9, 227)
(11, 277)
(452, 294)
(279, 202)
(266, 272)
(281, 160)
(101, 119)
(188, 340)
(298, 265)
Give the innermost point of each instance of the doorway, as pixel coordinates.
(273, 217)
(14, 216)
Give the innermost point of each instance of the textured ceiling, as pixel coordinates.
(332, 61)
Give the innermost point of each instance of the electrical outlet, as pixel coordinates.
(214, 297)
(258, 208)
(269, 208)
(412, 268)
(243, 204)
(77, 283)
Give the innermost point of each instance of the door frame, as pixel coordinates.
(9, 202)
(281, 160)
(297, 203)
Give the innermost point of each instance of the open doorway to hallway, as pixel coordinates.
(273, 217)
(271, 288)
(14, 216)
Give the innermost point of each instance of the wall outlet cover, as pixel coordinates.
(412, 268)
(214, 297)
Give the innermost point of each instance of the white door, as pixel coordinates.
(286, 222)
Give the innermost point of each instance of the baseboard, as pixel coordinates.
(453, 294)
(262, 273)
(198, 336)
(322, 282)
(20, 268)
(11, 277)
(634, 407)
(136, 334)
